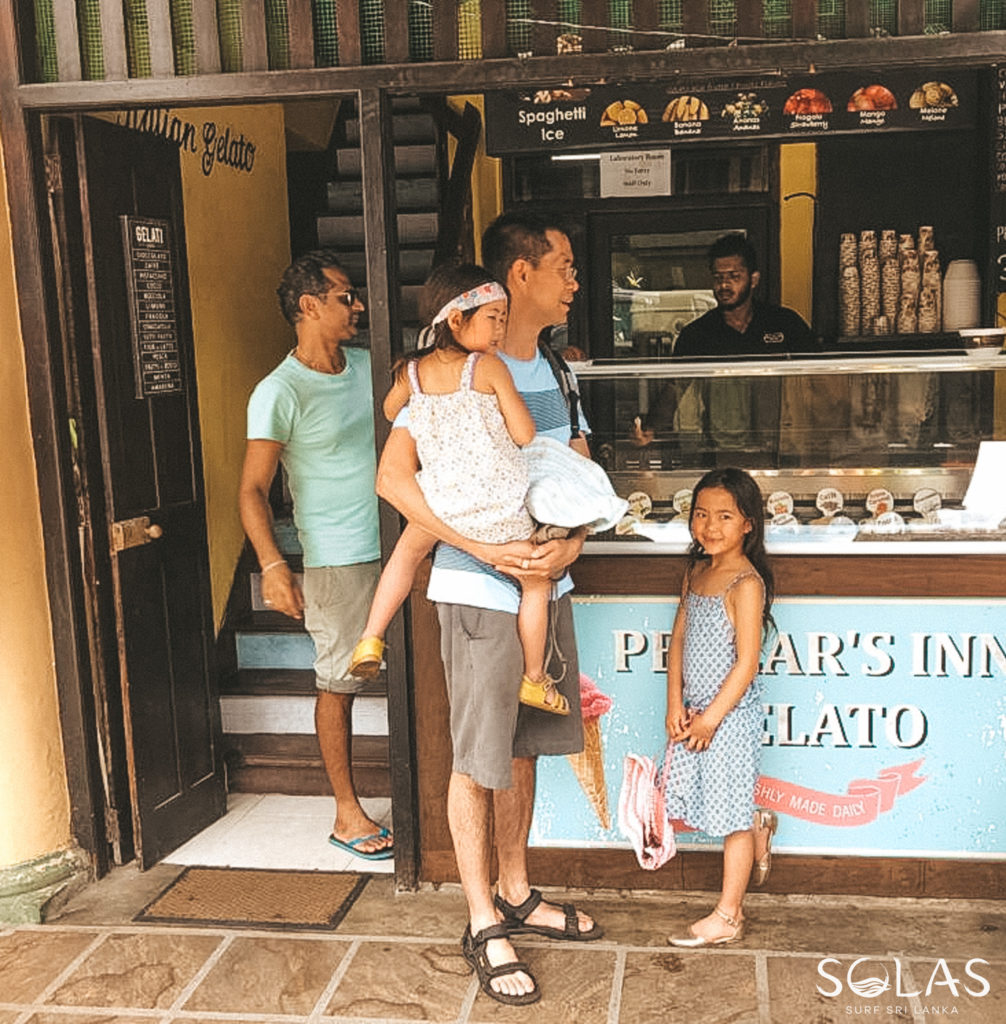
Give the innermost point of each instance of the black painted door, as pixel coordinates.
(152, 482)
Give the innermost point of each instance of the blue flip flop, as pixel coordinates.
(350, 846)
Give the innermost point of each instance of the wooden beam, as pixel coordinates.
(594, 14)
(347, 16)
(301, 28)
(857, 18)
(911, 17)
(254, 48)
(113, 39)
(396, 31)
(972, 49)
(646, 20)
(493, 30)
(805, 19)
(162, 54)
(64, 16)
(445, 31)
(207, 38)
(379, 216)
(966, 16)
(543, 15)
(695, 18)
(749, 19)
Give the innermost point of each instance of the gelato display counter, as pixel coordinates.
(885, 678)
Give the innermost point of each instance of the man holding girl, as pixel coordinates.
(477, 604)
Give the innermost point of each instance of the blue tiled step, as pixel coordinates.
(274, 650)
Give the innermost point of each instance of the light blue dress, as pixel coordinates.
(713, 790)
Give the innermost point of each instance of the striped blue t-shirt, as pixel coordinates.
(457, 577)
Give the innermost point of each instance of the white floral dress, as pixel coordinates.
(473, 475)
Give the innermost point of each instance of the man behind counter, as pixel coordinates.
(740, 325)
(719, 420)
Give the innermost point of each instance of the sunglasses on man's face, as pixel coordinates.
(350, 297)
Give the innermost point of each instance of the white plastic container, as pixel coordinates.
(962, 295)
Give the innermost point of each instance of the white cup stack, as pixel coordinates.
(962, 295)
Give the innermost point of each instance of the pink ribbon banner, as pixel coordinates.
(863, 802)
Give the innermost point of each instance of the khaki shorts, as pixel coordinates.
(484, 663)
(336, 604)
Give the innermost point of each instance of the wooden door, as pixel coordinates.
(144, 391)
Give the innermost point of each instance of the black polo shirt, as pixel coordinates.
(773, 330)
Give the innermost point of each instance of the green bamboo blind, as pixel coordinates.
(372, 31)
(831, 18)
(229, 32)
(777, 19)
(45, 42)
(722, 17)
(420, 30)
(326, 37)
(183, 37)
(277, 35)
(92, 57)
(137, 38)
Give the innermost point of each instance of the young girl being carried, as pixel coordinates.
(468, 422)
(714, 710)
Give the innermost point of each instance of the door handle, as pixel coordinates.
(131, 533)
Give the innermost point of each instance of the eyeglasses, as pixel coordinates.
(568, 273)
(350, 297)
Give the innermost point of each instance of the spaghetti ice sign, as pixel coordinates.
(884, 728)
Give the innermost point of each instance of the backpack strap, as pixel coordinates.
(567, 383)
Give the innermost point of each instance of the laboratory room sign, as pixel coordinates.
(153, 316)
(883, 729)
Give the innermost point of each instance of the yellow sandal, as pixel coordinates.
(542, 694)
(367, 657)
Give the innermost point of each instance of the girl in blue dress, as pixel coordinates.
(714, 707)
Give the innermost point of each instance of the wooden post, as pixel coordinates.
(162, 54)
(804, 19)
(857, 18)
(301, 28)
(204, 27)
(254, 49)
(396, 31)
(113, 39)
(64, 16)
(379, 219)
(543, 28)
(493, 29)
(347, 15)
(646, 19)
(966, 16)
(912, 17)
(445, 31)
(594, 14)
(749, 19)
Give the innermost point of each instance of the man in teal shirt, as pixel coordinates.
(314, 413)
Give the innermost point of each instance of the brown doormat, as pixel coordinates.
(258, 898)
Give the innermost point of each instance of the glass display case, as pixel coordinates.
(852, 453)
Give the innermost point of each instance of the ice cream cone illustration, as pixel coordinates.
(589, 763)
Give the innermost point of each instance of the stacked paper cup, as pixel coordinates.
(962, 295)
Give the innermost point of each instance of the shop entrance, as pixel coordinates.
(119, 262)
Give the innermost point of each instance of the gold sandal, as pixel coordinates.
(367, 657)
(543, 695)
(764, 819)
(693, 941)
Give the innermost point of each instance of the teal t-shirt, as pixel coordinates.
(325, 423)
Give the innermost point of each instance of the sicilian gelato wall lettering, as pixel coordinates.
(215, 144)
(884, 724)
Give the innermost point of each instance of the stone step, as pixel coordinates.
(405, 128)
(417, 159)
(410, 194)
(340, 231)
(413, 265)
(244, 714)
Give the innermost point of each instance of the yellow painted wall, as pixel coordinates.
(797, 173)
(238, 238)
(487, 175)
(34, 801)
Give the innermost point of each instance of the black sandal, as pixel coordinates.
(473, 949)
(516, 918)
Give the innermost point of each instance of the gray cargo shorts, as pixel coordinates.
(336, 604)
(484, 663)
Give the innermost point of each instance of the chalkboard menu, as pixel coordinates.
(1000, 133)
(153, 318)
(758, 107)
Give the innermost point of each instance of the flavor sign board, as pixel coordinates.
(884, 727)
(639, 113)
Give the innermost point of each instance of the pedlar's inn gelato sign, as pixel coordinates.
(884, 725)
(216, 144)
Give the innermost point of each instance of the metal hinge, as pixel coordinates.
(131, 533)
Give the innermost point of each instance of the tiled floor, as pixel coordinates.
(265, 831)
(395, 956)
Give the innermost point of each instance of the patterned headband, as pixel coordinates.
(491, 291)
